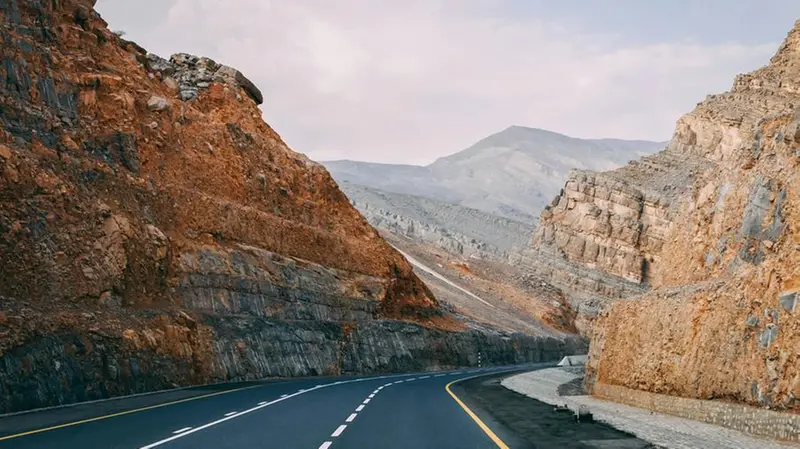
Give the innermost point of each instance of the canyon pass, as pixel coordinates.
(156, 233)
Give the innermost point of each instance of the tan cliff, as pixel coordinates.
(686, 264)
(722, 319)
(155, 232)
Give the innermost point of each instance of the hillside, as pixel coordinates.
(458, 230)
(156, 233)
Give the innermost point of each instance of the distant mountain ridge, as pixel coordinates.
(512, 174)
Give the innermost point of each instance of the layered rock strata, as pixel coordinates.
(155, 232)
(719, 254)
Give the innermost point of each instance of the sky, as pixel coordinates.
(410, 81)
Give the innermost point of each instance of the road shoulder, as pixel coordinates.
(523, 423)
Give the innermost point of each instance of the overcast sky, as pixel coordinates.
(407, 81)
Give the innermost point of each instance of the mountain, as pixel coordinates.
(502, 183)
(155, 233)
(512, 174)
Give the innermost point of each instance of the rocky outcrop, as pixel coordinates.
(721, 260)
(602, 237)
(155, 232)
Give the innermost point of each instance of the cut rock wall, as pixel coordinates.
(720, 320)
(155, 233)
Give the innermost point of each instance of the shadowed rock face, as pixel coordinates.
(703, 241)
(155, 232)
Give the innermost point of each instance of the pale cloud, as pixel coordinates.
(414, 80)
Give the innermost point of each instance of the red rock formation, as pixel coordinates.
(154, 231)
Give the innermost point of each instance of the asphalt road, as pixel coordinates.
(387, 412)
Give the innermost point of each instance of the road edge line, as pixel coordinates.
(481, 424)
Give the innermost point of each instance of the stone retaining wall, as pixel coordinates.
(766, 423)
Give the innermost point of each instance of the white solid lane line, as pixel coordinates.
(360, 407)
(181, 430)
(339, 430)
(325, 445)
(227, 418)
(231, 413)
(351, 417)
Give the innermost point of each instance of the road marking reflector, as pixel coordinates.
(339, 430)
(181, 430)
(351, 417)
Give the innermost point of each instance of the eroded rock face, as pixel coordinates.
(155, 232)
(720, 319)
(601, 239)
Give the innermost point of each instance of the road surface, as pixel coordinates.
(387, 412)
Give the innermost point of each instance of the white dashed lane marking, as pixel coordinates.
(235, 414)
(372, 395)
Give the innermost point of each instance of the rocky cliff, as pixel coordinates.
(703, 240)
(157, 233)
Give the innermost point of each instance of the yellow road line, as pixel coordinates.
(474, 417)
(128, 412)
